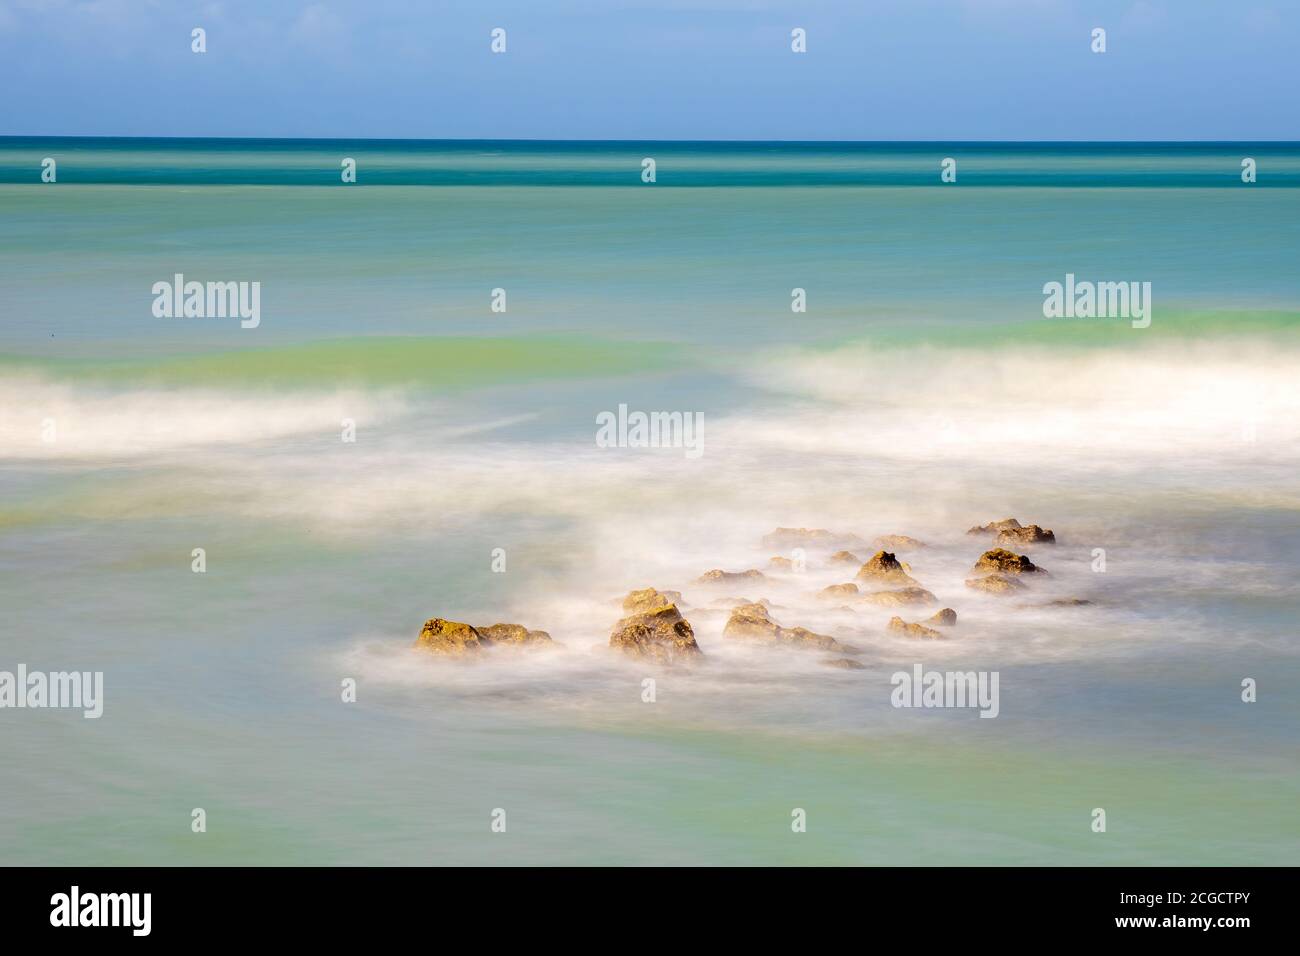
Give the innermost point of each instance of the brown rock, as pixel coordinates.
(945, 618)
(845, 557)
(1002, 561)
(995, 584)
(837, 592)
(898, 626)
(753, 623)
(884, 568)
(718, 576)
(903, 597)
(512, 634)
(844, 663)
(995, 526)
(1016, 537)
(649, 599)
(780, 564)
(662, 635)
(449, 637)
(897, 542)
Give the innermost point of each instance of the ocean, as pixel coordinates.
(467, 311)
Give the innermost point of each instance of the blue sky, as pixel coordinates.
(668, 69)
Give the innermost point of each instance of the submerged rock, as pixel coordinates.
(783, 539)
(994, 526)
(898, 626)
(897, 542)
(884, 568)
(752, 622)
(439, 636)
(718, 576)
(649, 599)
(1002, 561)
(945, 618)
(995, 584)
(661, 634)
(845, 557)
(844, 663)
(838, 592)
(903, 597)
(512, 634)
(1033, 534)
(730, 602)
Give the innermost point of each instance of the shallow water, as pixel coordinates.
(921, 393)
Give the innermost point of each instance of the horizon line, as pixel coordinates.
(756, 142)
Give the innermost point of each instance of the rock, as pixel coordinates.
(897, 542)
(648, 599)
(884, 568)
(995, 584)
(1002, 561)
(780, 564)
(837, 592)
(752, 623)
(995, 526)
(783, 539)
(662, 635)
(845, 557)
(844, 663)
(449, 637)
(717, 576)
(945, 618)
(901, 598)
(512, 634)
(1062, 602)
(1022, 536)
(898, 626)
(730, 602)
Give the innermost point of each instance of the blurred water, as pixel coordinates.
(921, 393)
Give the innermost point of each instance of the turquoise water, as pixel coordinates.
(921, 392)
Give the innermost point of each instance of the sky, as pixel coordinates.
(654, 69)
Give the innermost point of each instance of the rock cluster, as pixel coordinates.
(653, 627)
